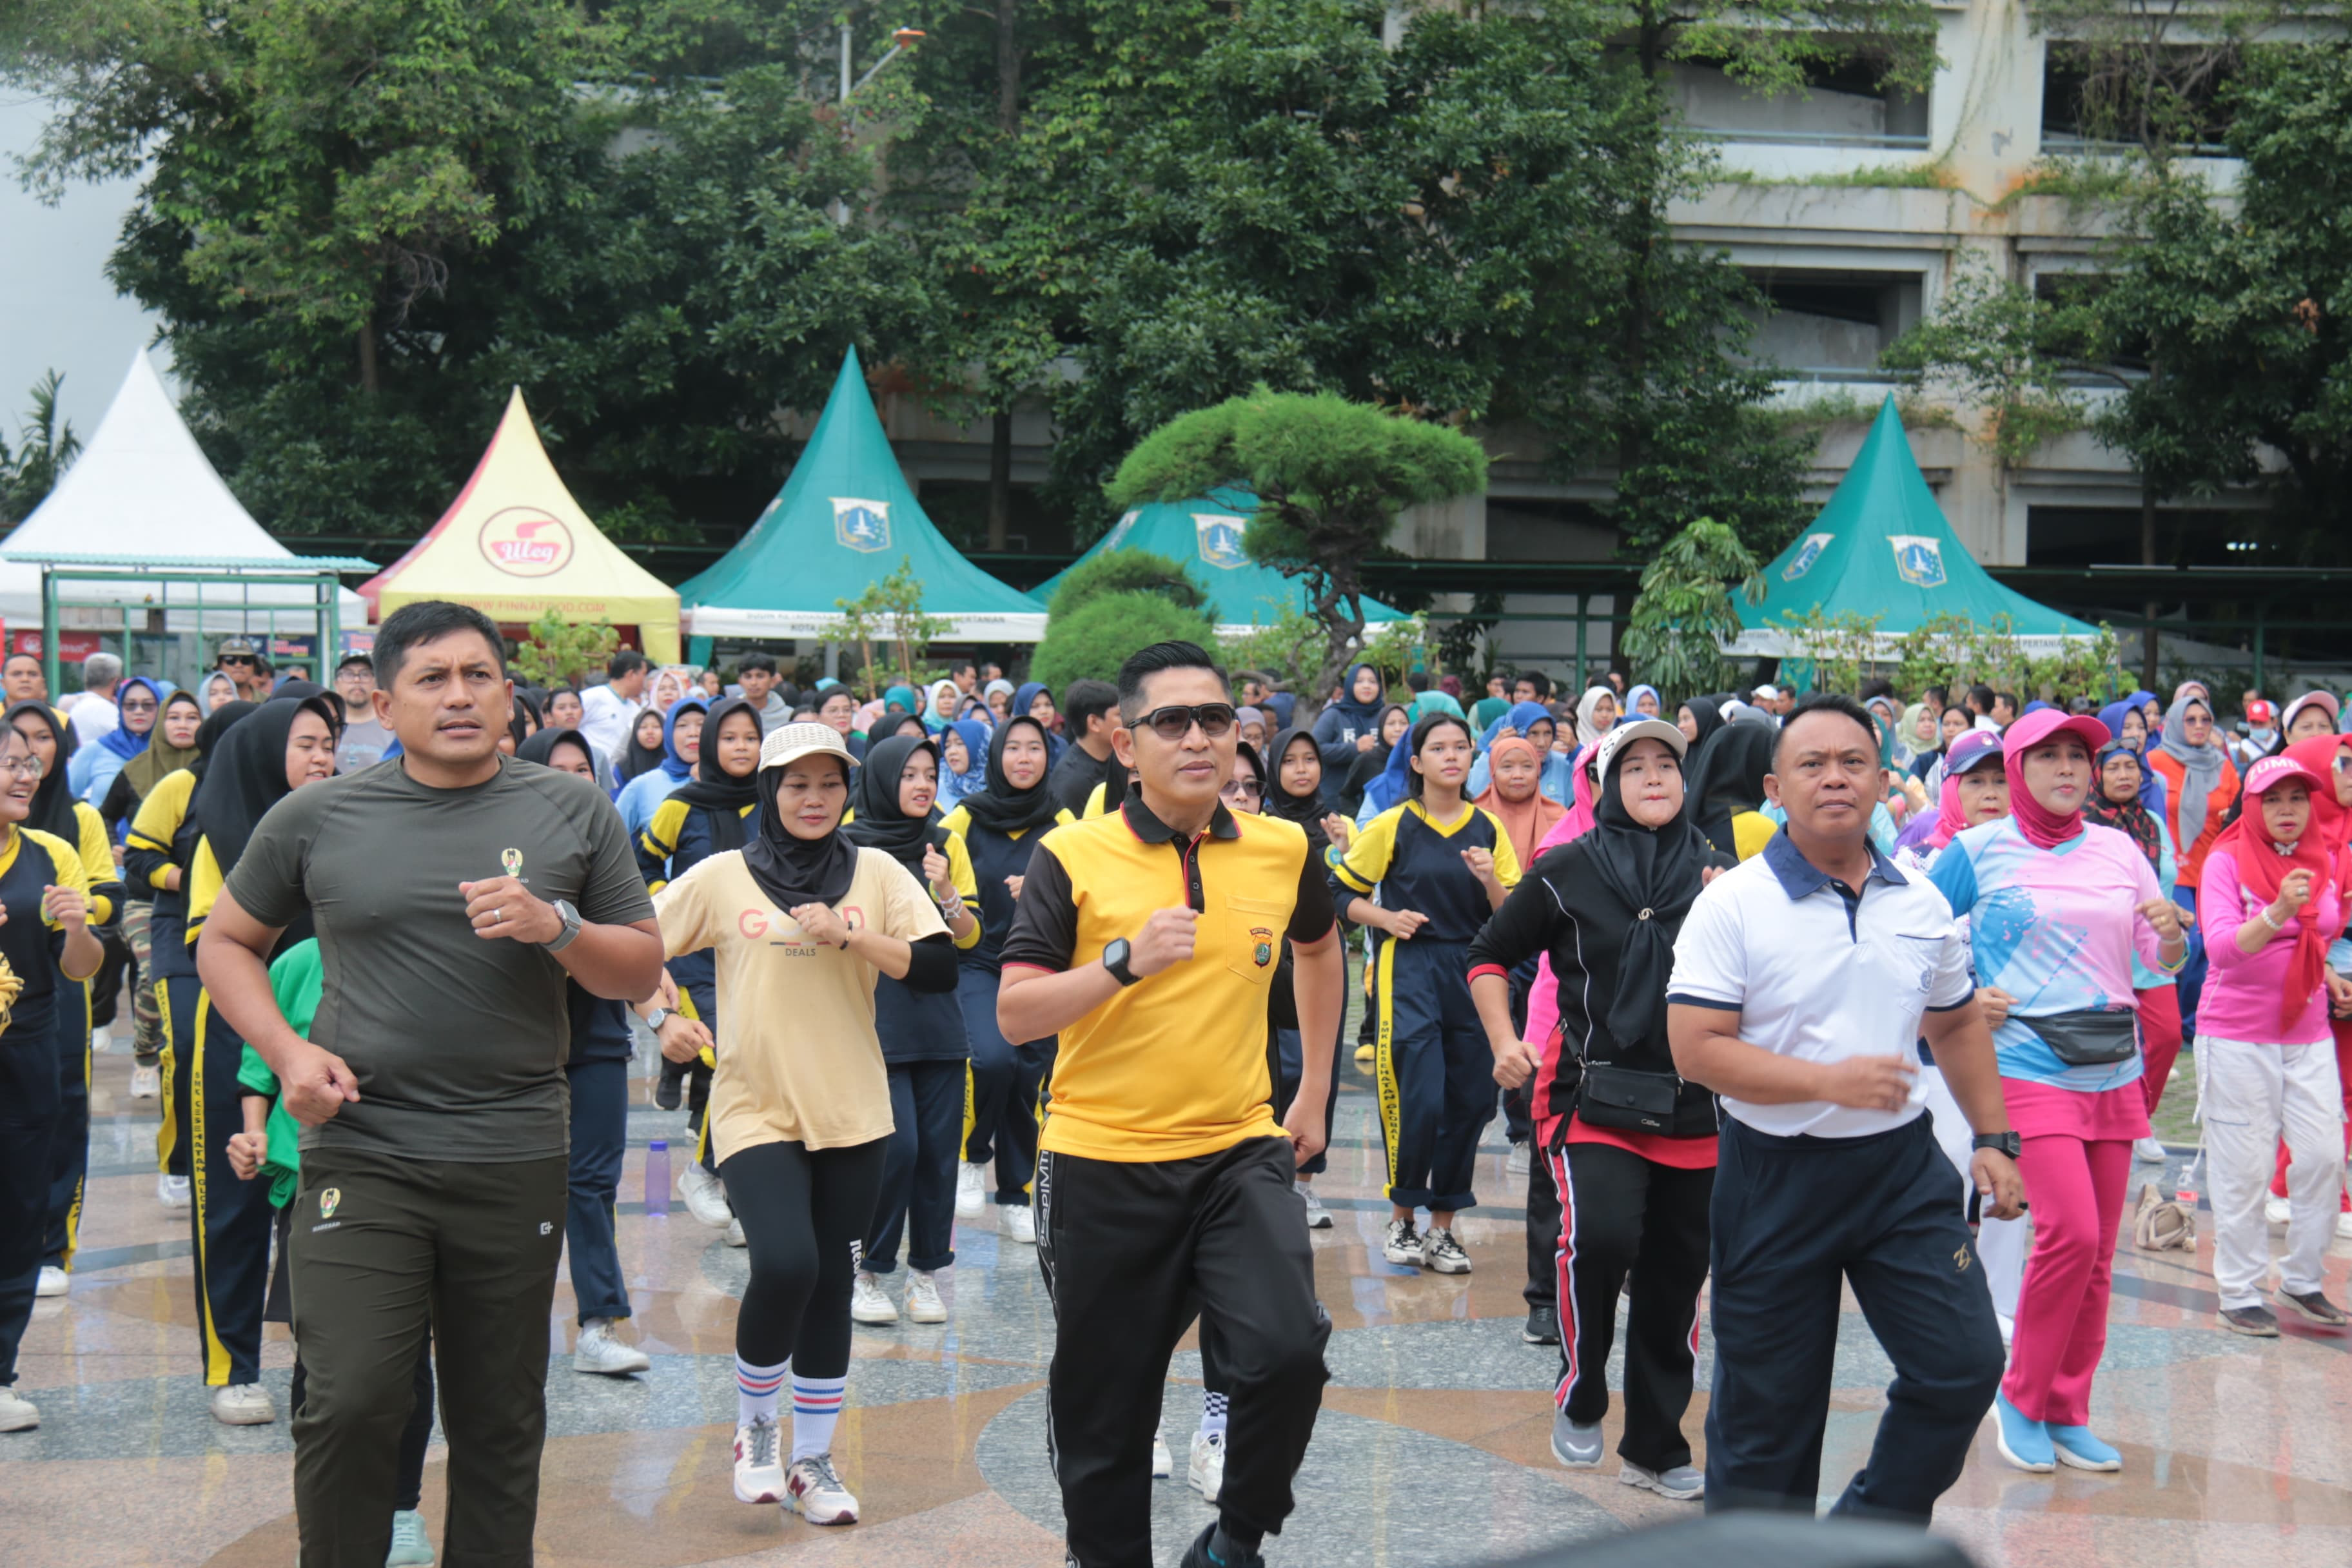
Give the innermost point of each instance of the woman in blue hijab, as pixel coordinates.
(90, 772)
(640, 795)
(1024, 702)
(973, 777)
(2128, 722)
(1343, 730)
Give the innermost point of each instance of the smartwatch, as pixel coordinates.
(1115, 960)
(2009, 1143)
(571, 918)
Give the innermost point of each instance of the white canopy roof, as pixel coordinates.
(142, 492)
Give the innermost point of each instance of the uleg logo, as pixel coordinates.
(525, 541)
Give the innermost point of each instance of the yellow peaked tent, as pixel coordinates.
(514, 544)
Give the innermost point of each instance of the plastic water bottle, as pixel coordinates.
(2190, 1177)
(658, 1177)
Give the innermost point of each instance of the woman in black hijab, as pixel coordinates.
(1630, 1145)
(1363, 767)
(646, 748)
(284, 744)
(894, 798)
(1727, 780)
(1705, 720)
(998, 826)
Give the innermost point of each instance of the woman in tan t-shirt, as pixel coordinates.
(802, 922)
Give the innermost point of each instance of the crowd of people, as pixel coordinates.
(1772, 993)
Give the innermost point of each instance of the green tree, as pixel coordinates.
(890, 612)
(1091, 641)
(1684, 610)
(2017, 358)
(1330, 476)
(1128, 570)
(558, 651)
(47, 446)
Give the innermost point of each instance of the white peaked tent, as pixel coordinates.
(143, 493)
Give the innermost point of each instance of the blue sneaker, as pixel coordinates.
(2025, 1444)
(2079, 1449)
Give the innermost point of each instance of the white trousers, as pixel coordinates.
(2248, 1095)
(2002, 1244)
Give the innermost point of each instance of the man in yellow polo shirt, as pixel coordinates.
(1146, 939)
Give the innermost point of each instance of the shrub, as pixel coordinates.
(1090, 643)
(1127, 570)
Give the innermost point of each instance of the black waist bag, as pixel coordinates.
(2092, 1036)
(1625, 1097)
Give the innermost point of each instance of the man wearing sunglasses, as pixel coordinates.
(1146, 939)
(237, 659)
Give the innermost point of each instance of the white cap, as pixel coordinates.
(788, 743)
(1769, 693)
(1623, 735)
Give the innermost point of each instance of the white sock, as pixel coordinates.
(817, 1406)
(756, 1390)
(1212, 1414)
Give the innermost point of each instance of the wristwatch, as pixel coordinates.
(2009, 1143)
(657, 1018)
(571, 918)
(1115, 960)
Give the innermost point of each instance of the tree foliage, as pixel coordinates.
(890, 614)
(557, 650)
(2017, 358)
(1128, 571)
(1330, 476)
(1684, 607)
(46, 448)
(1090, 642)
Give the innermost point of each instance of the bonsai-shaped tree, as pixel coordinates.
(1330, 476)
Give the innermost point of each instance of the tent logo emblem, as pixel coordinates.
(1221, 539)
(1918, 560)
(1807, 554)
(862, 525)
(524, 541)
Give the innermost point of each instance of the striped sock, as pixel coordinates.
(756, 1389)
(817, 1406)
(1212, 1414)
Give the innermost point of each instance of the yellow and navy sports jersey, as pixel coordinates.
(163, 835)
(102, 884)
(1417, 865)
(990, 856)
(30, 941)
(679, 838)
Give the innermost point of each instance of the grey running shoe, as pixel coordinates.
(2255, 1323)
(814, 1490)
(1440, 1252)
(1577, 1447)
(1679, 1482)
(1403, 1244)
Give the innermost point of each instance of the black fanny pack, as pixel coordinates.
(2092, 1036)
(1627, 1097)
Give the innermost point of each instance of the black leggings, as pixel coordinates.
(803, 1213)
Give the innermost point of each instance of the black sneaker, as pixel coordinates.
(1208, 1552)
(2254, 1323)
(2315, 1307)
(1543, 1326)
(669, 1088)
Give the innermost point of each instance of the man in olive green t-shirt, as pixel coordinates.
(454, 890)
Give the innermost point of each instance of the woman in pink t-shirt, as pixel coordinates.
(2272, 900)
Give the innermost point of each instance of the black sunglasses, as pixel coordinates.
(1175, 722)
(245, 659)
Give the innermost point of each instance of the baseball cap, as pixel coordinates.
(1769, 693)
(234, 645)
(1623, 735)
(2271, 772)
(2259, 713)
(1971, 751)
(787, 743)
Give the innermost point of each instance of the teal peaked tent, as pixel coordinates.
(1881, 547)
(844, 520)
(1204, 535)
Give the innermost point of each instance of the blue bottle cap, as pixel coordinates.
(660, 1144)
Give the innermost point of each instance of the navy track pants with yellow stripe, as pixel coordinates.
(69, 1142)
(1434, 1072)
(229, 1220)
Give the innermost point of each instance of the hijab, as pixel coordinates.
(894, 724)
(120, 740)
(641, 758)
(2132, 818)
(997, 805)
(1395, 780)
(1634, 702)
(1430, 702)
(205, 692)
(1882, 712)
(1367, 769)
(2151, 788)
(792, 871)
(158, 756)
(217, 723)
(880, 822)
(523, 708)
(1730, 780)
(1356, 717)
(1279, 707)
(973, 733)
(679, 769)
(246, 775)
(1580, 802)
(541, 747)
(2200, 766)
(931, 719)
(1487, 711)
(1027, 694)
(1709, 717)
(1921, 746)
(1934, 832)
(715, 790)
(904, 699)
(2045, 828)
(1589, 733)
(1307, 810)
(1518, 717)
(2264, 864)
(1656, 874)
(1243, 717)
(52, 809)
(1524, 821)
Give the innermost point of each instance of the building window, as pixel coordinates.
(1832, 325)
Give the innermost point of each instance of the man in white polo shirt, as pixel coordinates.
(1802, 982)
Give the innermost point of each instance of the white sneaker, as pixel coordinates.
(759, 1464)
(1207, 1473)
(52, 1281)
(411, 1547)
(1403, 1244)
(146, 1082)
(598, 1352)
(1318, 1217)
(2008, 1327)
(2277, 1211)
(972, 1190)
(1020, 1224)
(813, 1491)
(1442, 1253)
(1519, 1159)
(923, 1303)
(866, 1302)
(735, 1234)
(244, 1404)
(172, 1192)
(101, 1039)
(1163, 1462)
(17, 1414)
(705, 1195)
(2149, 1149)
